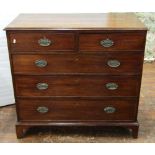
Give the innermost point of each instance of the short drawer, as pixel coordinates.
(76, 85)
(112, 41)
(108, 63)
(115, 109)
(42, 41)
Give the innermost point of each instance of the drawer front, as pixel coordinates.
(62, 109)
(112, 42)
(111, 63)
(77, 85)
(41, 41)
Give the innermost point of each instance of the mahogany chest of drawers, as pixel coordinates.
(76, 69)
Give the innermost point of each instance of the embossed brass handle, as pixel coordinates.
(109, 110)
(42, 109)
(41, 63)
(42, 86)
(106, 43)
(44, 42)
(113, 63)
(111, 86)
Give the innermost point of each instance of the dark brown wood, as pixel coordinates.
(122, 41)
(21, 130)
(81, 21)
(77, 85)
(81, 110)
(134, 126)
(77, 70)
(11, 67)
(135, 131)
(130, 63)
(29, 41)
(146, 117)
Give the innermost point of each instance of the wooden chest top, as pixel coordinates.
(82, 21)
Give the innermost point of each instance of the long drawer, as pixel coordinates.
(83, 85)
(112, 41)
(41, 41)
(108, 63)
(111, 109)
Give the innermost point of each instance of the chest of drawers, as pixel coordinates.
(76, 69)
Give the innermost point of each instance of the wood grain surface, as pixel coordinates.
(77, 85)
(115, 21)
(72, 134)
(77, 43)
(29, 41)
(130, 63)
(121, 41)
(63, 109)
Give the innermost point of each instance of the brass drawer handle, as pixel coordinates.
(106, 43)
(41, 63)
(109, 110)
(112, 86)
(44, 42)
(42, 86)
(113, 63)
(42, 109)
